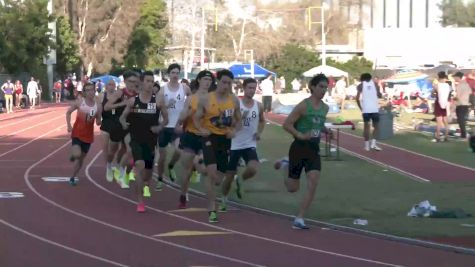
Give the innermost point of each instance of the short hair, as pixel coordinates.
(316, 80)
(173, 66)
(365, 77)
(225, 72)
(442, 75)
(129, 73)
(146, 73)
(248, 81)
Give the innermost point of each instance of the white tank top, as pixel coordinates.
(175, 109)
(88, 110)
(250, 121)
(443, 92)
(369, 98)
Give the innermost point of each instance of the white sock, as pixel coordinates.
(109, 166)
(299, 220)
(373, 142)
(366, 144)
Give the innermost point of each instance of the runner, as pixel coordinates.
(82, 133)
(244, 144)
(305, 123)
(141, 117)
(57, 91)
(190, 141)
(370, 94)
(215, 118)
(118, 101)
(112, 132)
(174, 94)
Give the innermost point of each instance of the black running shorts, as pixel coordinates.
(216, 151)
(303, 154)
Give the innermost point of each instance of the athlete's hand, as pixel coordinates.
(304, 137)
(70, 128)
(257, 137)
(179, 130)
(204, 132)
(231, 134)
(156, 129)
(125, 125)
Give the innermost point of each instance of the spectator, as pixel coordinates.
(32, 92)
(282, 84)
(8, 90)
(39, 92)
(18, 93)
(57, 91)
(340, 92)
(267, 87)
(442, 92)
(296, 85)
(462, 102)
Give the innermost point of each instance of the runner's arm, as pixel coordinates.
(293, 117)
(184, 113)
(71, 109)
(110, 105)
(359, 88)
(187, 90)
(236, 122)
(160, 101)
(126, 112)
(199, 114)
(99, 110)
(262, 121)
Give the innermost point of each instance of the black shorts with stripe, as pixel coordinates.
(304, 154)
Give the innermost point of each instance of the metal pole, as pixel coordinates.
(252, 63)
(324, 39)
(51, 58)
(203, 29)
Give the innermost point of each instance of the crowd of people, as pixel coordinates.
(14, 96)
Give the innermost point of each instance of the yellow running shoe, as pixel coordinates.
(195, 177)
(116, 173)
(146, 191)
(131, 175)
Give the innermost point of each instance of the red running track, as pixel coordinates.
(95, 223)
(421, 167)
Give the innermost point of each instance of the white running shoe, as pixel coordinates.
(376, 148)
(109, 175)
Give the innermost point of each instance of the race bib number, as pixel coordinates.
(228, 112)
(151, 106)
(315, 133)
(113, 111)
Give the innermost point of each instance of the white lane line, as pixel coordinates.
(31, 141)
(411, 175)
(33, 126)
(60, 245)
(23, 120)
(231, 230)
(33, 189)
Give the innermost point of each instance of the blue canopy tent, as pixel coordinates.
(106, 78)
(242, 71)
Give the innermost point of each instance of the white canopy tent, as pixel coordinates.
(327, 70)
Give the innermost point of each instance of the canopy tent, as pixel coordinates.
(444, 67)
(106, 78)
(327, 70)
(406, 77)
(242, 71)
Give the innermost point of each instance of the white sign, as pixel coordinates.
(58, 179)
(11, 195)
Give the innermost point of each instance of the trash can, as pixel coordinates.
(385, 125)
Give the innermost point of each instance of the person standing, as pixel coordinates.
(141, 118)
(215, 118)
(267, 87)
(367, 99)
(8, 90)
(244, 143)
(442, 91)
(32, 92)
(57, 91)
(39, 92)
(305, 123)
(462, 102)
(18, 93)
(175, 94)
(82, 133)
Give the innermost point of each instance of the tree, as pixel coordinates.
(25, 37)
(458, 13)
(67, 51)
(102, 28)
(355, 66)
(292, 62)
(148, 39)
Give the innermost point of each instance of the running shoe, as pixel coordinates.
(223, 207)
(159, 186)
(72, 181)
(195, 177)
(213, 217)
(131, 175)
(116, 173)
(300, 225)
(182, 204)
(376, 148)
(140, 207)
(109, 175)
(146, 191)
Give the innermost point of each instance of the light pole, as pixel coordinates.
(251, 53)
(322, 24)
(203, 31)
